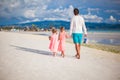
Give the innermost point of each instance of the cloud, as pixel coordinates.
(113, 11)
(27, 21)
(21, 8)
(36, 19)
(93, 10)
(115, 1)
(14, 4)
(30, 10)
(53, 19)
(92, 18)
(29, 14)
(111, 19)
(62, 13)
(10, 8)
(50, 14)
(119, 21)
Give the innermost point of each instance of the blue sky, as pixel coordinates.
(23, 11)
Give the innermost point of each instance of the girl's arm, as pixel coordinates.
(67, 35)
(49, 37)
(59, 36)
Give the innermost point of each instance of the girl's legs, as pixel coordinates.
(62, 54)
(54, 53)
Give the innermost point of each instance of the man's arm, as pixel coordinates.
(84, 27)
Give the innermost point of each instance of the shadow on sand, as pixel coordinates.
(32, 50)
(44, 34)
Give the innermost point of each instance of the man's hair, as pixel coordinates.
(76, 11)
(61, 27)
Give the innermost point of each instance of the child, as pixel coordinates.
(62, 37)
(53, 42)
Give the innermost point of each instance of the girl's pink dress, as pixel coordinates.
(62, 38)
(54, 43)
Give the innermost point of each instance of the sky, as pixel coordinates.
(24, 11)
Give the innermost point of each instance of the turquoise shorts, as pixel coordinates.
(77, 38)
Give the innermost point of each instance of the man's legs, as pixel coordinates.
(77, 38)
(77, 46)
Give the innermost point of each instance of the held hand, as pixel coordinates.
(68, 36)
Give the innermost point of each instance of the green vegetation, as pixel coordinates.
(109, 48)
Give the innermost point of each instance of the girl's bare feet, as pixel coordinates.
(62, 55)
(54, 54)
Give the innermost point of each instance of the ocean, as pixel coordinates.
(109, 38)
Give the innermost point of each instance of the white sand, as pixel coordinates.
(27, 57)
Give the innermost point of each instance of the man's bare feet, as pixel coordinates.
(77, 56)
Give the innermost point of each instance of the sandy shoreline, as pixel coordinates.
(27, 57)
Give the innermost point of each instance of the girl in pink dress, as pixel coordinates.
(53, 42)
(62, 37)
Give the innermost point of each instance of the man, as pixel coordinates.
(77, 26)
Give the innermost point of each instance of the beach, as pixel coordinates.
(25, 56)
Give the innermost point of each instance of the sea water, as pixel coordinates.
(104, 37)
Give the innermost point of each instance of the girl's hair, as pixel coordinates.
(76, 11)
(54, 31)
(62, 28)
